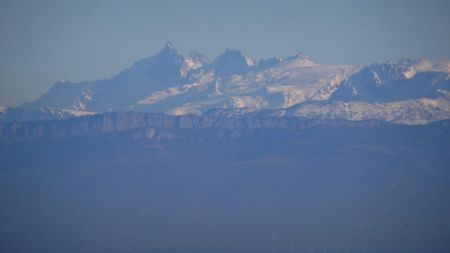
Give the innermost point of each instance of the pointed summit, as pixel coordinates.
(169, 49)
(169, 45)
(166, 56)
(165, 66)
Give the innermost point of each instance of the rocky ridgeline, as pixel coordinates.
(121, 122)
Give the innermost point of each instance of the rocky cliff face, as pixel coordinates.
(122, 122)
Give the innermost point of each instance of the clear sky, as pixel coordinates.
(44, 41)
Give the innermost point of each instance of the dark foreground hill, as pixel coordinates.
(124, 183)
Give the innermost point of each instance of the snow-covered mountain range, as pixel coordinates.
(407, 91)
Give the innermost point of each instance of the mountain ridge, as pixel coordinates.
(121, 122)
(405, 92)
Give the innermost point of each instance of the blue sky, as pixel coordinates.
(44, 41)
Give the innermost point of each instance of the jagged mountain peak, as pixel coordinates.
(235, 55)
(387, 71)
(301, 60)
(169, 51)
(168, 55)
(394, 81)
(231, 62)
(169, 46)
(406, 68)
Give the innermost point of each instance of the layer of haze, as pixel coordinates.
(44, 41)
